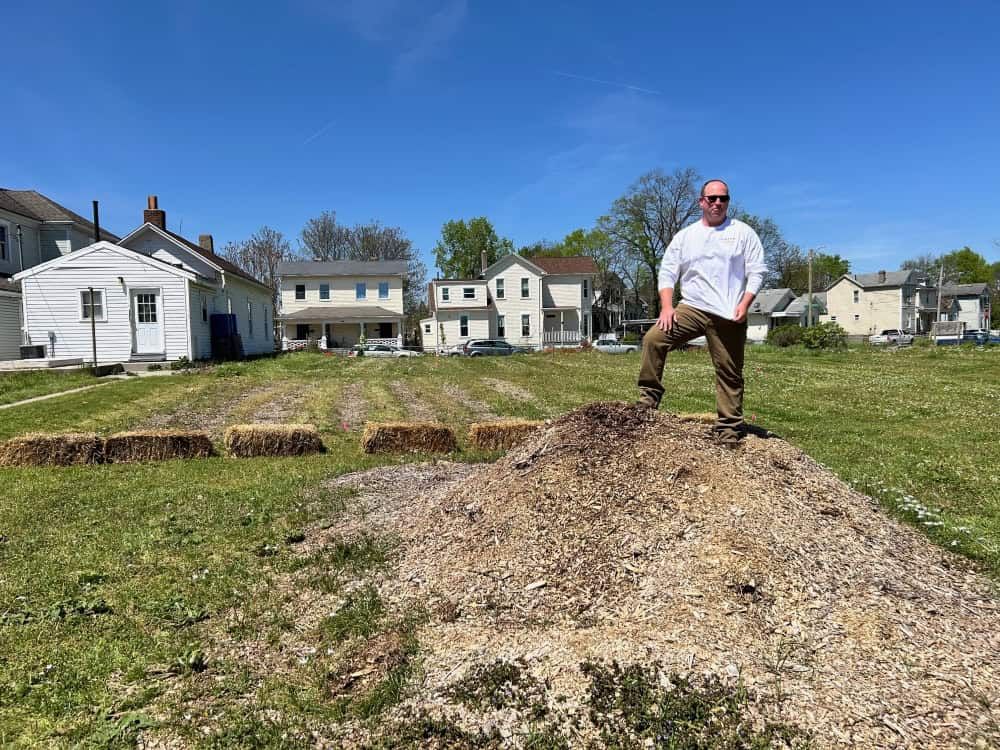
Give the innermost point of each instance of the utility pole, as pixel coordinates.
(937, 319)
(93, 327)
(810, 318)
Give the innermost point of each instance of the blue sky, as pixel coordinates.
(869, 129)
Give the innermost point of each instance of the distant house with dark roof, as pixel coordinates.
(146, 297)
(533, 303)
(867, 303)
(760, 316)
(970, 304)
(339, 303)
(33, 229)
(797, 312)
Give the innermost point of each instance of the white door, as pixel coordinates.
(147, 321)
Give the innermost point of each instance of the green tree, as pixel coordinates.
(965, 266)
(827, 269)
(787, 265)
(459, 251)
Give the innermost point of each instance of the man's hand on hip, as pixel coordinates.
(666, 320)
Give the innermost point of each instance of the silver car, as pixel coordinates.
(385, 350)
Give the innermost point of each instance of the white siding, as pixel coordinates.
(52, 302)
(10, 326)
(29, 243)
(342, 292)
(562, 291)
(239, 292)
(451, 321)
(456, 294)
(54, 242)
(150, 243)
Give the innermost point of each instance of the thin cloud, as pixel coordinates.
(429, 40)
(628, 86)
(319, 132)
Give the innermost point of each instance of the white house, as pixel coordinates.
(33, 229)
(760, 316)
(146, 297)
(531, 303)
(971, 305)
(337, 303)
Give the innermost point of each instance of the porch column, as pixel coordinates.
(562, 327)
(399, 333)
(361, 334)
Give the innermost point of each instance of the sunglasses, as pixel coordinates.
(716, 198)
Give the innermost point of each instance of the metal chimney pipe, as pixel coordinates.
(97, 224)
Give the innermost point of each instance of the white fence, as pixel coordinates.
(561, 337)
(292, 345)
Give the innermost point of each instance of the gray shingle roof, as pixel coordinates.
(343, 268)
(892, 278)
(36, 206)
(800, 304)
(964, 290)
(333, 314)
(771, 300)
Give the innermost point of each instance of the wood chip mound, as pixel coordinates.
(494, 436)
(156, 445)
(623, 533)
(253, 440)
(40, 449)
(405, 437)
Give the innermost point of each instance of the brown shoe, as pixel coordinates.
(645, 403)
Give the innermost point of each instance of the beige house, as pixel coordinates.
(532, 303)
(863, 304)
(340, 303)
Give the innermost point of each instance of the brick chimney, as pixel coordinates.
(153, 215)
(205, 242)
(881, 277)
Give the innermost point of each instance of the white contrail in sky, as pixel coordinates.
(607, 83)
(319, 132)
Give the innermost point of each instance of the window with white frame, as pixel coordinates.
(383, 290)
(324, 291)
(524, 288)
(500, 289)
(250, 318)
(586, 288)
(857, 317)
(857, 296)
(3, 242)
(525, 325)
(501, 327)
(204, 309)
(92, 307)
(361, 290)
(427, 327)
(833, 318)
(300, 291)
(468, 292)
(445, 294)
(463, 326)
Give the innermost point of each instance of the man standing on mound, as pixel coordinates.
(720, 265)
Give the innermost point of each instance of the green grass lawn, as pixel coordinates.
(112, 578)
(17, 386)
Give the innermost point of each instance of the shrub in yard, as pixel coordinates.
(785, 336)
(825, 336)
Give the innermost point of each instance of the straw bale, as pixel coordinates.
(493, 436)
(250, 440)
(401, 437)
(156, 445)
(38, 449)
(701, 417)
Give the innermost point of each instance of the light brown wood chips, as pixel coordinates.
(619, 533)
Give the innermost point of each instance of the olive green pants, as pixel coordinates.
(726, 341)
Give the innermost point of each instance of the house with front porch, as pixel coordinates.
(533, 303)
(341, 303)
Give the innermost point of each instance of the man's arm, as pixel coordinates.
(670, 269)
(740, 314)
(666, 320)
(755, 269)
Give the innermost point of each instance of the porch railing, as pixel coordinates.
(292, 345)
(561, 337)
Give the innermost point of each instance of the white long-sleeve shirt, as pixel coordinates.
(715, 265)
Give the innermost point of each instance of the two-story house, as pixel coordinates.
(532, 303)
(33, 229)
(146, 297)
(863, 304)
(971, 305)
(341, 303)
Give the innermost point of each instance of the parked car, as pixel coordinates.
(613, 346)
(981, 337)
(483, 347)
(385, 350)
(891, 336)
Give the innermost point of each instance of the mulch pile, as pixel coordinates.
(620, 533)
